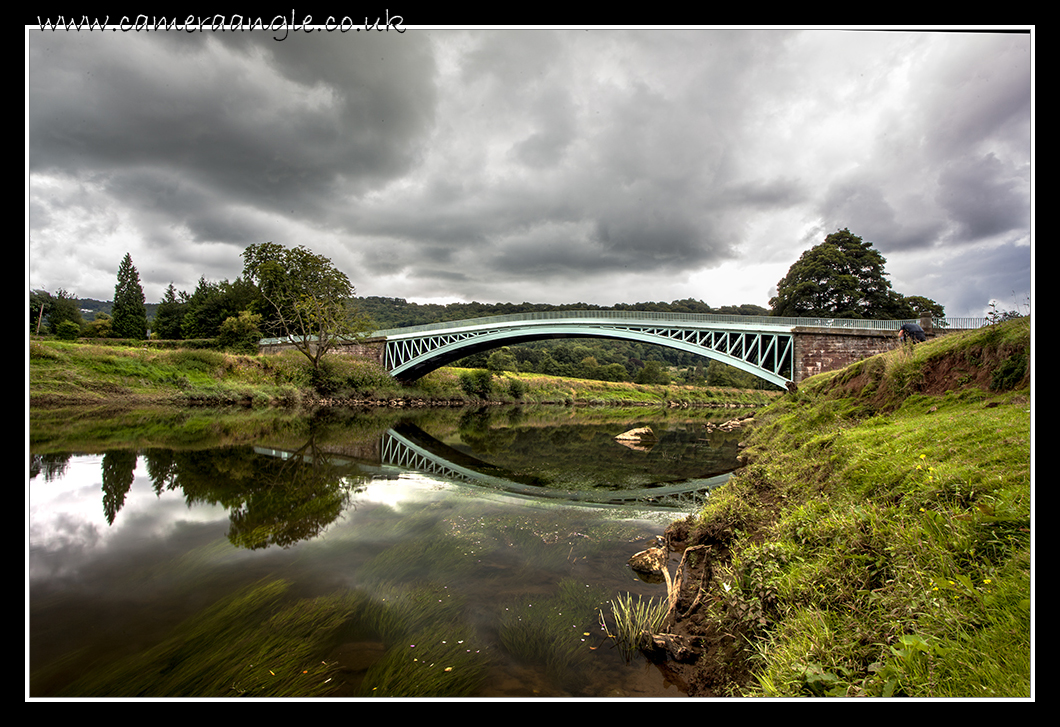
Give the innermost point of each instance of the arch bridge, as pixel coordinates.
(782, 351)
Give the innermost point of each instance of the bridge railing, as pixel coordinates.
(959, 324)
(663, 317)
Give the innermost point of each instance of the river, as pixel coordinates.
(436, 552)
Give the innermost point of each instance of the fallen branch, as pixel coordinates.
(675, 586)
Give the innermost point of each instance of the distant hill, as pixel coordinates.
(90, 306)
(398, 312)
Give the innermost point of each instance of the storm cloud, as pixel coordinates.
(543, 165)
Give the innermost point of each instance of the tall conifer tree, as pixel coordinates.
(129, 314)
(170, 314)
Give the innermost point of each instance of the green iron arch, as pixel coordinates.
(763, 353)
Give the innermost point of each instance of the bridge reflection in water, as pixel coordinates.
(406, 448)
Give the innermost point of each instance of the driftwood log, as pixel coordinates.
(678, 587)
(680, 648)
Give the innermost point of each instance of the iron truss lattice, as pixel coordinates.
(766, 353)
(398, 451)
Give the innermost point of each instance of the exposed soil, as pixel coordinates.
(708, 661)
(977, 368)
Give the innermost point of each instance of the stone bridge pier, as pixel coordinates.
(818, 350)
(370, 348)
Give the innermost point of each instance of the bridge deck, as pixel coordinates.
(762, 345)
(691, 319)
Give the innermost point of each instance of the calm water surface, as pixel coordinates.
(435, 553)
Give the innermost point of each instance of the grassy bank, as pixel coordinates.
(879, 541)
(64, 373)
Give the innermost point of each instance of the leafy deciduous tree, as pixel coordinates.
(307, 299)
(64, 308)
(652, 373)
(843, 277)
(99, 327)
(212, 304)
(925, 306)
(240, 333)
(67, 330)
(502, 360)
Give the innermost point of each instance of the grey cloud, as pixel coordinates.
(862, 207)
(470, 163)
(554, 131)
(967, 281)
(262, 125)
(984, 197)
(763, 194)
(976, 92)
(511, 61)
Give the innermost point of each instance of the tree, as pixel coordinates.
(67, 331)
(925, 306)
(170, 314)
(129, 314)
(502, 360)
(240, 333)
(305, 298)
(212, 304)
(99, 327)
(843, 277)
(64, 309)
(652, 373)
(477, 383)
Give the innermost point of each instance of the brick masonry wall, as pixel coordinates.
(820, 349)
(370, 349)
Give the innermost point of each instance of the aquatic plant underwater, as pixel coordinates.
(554, 632)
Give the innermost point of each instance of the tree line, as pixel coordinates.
(292, 293)
(295, 293)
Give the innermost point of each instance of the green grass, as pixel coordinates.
(879, 541)
(68, 373)
(430, 652)
(633, 621)
(434, 663)
(545, 389)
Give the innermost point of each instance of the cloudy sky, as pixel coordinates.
(542, 165)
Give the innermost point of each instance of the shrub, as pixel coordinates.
(516, 388)
(477, 383)
(1010, 372)
(67, 331)
(240, 334)
(344, 375)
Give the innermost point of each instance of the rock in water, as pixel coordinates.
(638, 434)
(652, 560)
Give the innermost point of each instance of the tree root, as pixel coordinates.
(679, 648)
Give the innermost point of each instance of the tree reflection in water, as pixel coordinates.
(270, 501)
